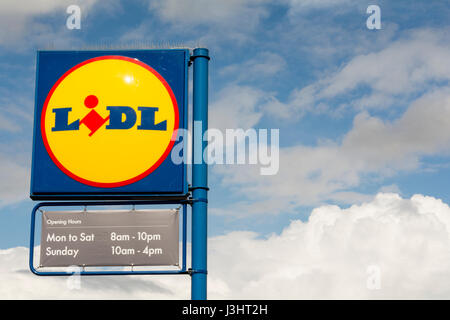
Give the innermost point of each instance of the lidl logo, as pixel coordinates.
(109, 121)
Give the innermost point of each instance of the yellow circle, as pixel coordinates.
(109, 157)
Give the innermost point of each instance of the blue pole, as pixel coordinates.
(200, 57)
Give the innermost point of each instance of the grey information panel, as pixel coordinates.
(110, 238)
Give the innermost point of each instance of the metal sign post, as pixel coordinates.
(199, 188)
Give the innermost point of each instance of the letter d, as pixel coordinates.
(115, 118)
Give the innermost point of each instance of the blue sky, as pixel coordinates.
(272, 50)
(359, 111)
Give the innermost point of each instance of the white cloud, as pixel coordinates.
(399, 72)
(14, 180)
(209, 11)
(326, 257)
(298, 9)
(422, 130)
(298, 6)
(264, 65)
(236, 107)
(18, 19)
(299, 103)
(7, 124)
(402, 68)
(16, 123)
(16, 111)
(392, 188)
(211, 23)
(310, 175)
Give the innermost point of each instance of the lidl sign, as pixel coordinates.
(106, 123)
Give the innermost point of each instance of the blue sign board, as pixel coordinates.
(106, 124)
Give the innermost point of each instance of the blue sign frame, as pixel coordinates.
(48, 182)
(183, 269)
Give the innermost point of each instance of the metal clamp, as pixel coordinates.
(191, 271)
(198, 187)
(199, 56)
(192, 200)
